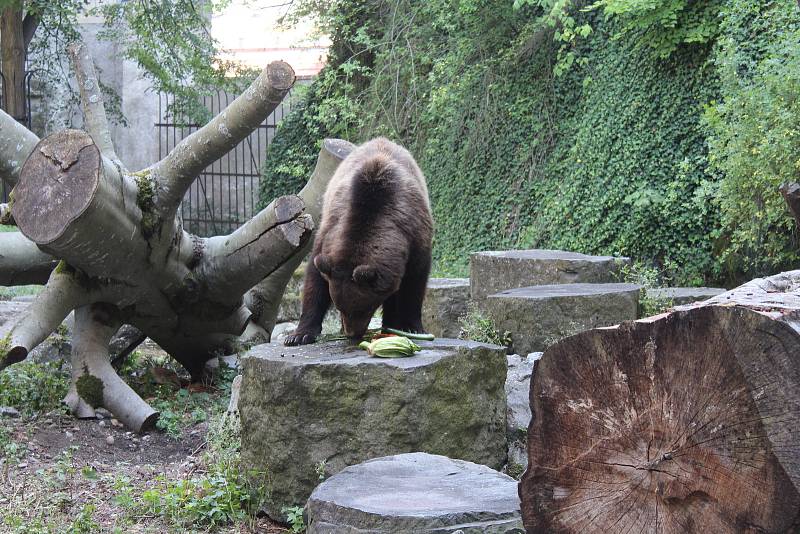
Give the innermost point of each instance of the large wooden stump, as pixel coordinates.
(684, 422)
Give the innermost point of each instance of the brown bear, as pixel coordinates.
(373, 246)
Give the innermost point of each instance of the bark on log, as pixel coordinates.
(21, 261)
(16, 143)
(684, 422)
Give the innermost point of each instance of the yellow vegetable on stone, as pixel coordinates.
(390, 347)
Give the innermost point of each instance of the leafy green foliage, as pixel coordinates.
(755, 134)
(33, 387)
(648, 278)
(294, 516)
(169, 40)
(475, 326)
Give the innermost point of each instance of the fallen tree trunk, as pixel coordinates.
(683, 422)
(124, 255)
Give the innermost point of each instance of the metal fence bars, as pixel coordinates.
(225, 194)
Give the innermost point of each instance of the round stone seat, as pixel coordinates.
(416, 492)
(538, 316)
(316, 409)
(494, 271)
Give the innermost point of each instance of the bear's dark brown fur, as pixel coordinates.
(373, 246)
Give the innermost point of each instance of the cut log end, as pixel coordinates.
(280, 75)
(56, 185)
(687, 423)
(288, 208)
(339, 148)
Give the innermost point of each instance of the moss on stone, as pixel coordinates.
(90, 388)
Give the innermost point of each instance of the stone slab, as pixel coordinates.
(494, 271)
(333, 405)
(684, 295)
(538, 316)
(419, 493)
(446, 299)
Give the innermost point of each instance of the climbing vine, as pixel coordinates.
(551, 123)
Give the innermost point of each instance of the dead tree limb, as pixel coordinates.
(175, 173)
(125, 257)
(21, 261)
(683, 422)
(16, 143)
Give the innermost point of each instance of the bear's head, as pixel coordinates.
(357, 292)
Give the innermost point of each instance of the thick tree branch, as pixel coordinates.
(16, 144)
(21, 261)
(94, 111)
(236, 262)
(265, 298)
(29, 25)
(176, 172)
(95, 383)
(61, 295)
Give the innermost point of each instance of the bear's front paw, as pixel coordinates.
(298, 337)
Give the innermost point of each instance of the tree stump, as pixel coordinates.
(416, 492)
(683, 422)
(538, 316)
(332, 405)
(494, 271)
(445, 301)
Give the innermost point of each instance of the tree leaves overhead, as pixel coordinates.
(170, 41)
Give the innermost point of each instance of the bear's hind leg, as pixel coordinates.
(316, 301)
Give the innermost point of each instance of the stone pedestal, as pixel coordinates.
(445, 301)
(495, 271)
(678, 296)
(419, 493)
(319, 408)
(538, 316)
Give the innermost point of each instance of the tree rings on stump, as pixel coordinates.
(56, 185)
(682, 423)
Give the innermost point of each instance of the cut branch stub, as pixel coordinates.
(687, 422)
(76, 205)
(57, 184)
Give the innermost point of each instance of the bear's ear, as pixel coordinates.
(323, 264)
(365, 275)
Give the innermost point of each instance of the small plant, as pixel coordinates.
(294, 516)
(647, 277)
(476, 326)
(33, 387)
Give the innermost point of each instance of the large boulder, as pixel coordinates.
(494, 271)
(538, 316)
(292, 301)
(446, 300)
(518, 385)
(418, 492)
(322, 407)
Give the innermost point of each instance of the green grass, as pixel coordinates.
(6, 228)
